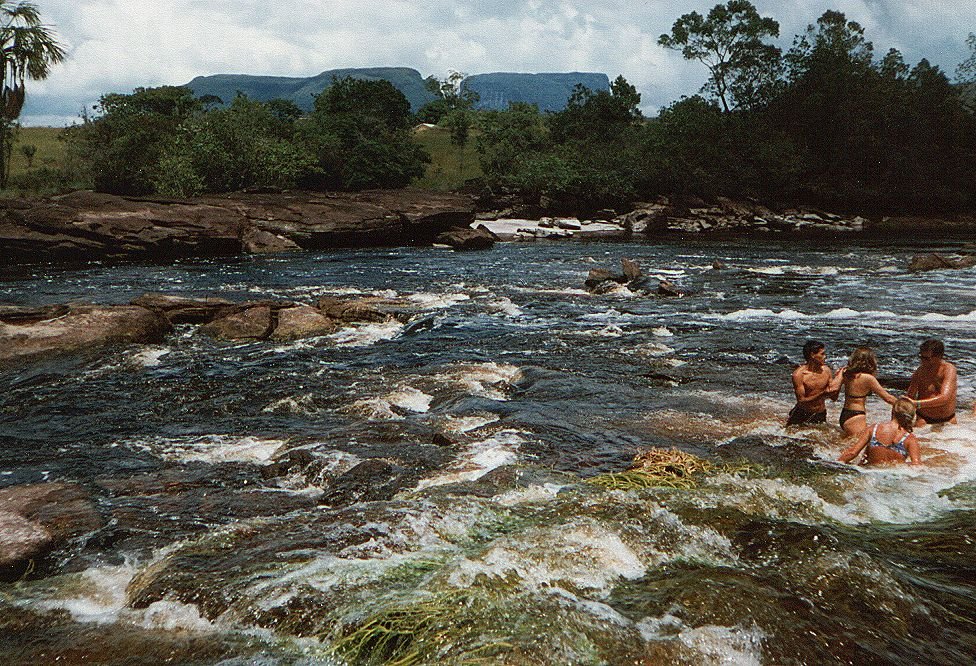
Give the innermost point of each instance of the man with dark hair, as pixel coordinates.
(934, 385)
(813, 382)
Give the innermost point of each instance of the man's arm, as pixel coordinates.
(947, 393)
(805, 395)
(912, 390)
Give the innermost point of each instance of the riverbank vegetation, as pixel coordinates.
(826, 122)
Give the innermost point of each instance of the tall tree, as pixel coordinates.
(966, 74)
(28, 48)
(730, 42)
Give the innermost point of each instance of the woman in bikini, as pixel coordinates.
(891, 442)
(859, 381)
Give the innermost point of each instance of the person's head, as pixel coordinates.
(811, 349)
(931, 351)
(903, 411)
(862, 360)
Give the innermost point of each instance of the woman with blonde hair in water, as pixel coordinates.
(859, 381)
(891, 442)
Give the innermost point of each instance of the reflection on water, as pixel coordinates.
(416, 492)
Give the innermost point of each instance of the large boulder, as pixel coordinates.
(467, 238)
(82, 327)
(935, 261)
(25, 314)
(302, 321)
(252, 323)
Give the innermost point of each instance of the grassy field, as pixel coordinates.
(49, 152)
(449, 166)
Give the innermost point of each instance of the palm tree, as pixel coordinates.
(27, 50)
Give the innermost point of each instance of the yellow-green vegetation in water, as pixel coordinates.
(664, 468)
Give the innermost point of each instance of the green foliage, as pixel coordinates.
(730, 43)
(243, 146)
(124, 145)
(359, 136)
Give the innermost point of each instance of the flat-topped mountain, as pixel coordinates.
(302, 90)
(550, 91)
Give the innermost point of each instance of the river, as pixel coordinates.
(508, 390)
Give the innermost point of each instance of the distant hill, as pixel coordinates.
(549, 92)
(301, 91)
(496, 90)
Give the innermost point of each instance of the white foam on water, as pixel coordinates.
(101, 596)
(586, 555)
(565, 292)
(608, 331)
(210, 448)
(716, 645)
(463, 424)
(171, 616)
(841, 314)
(294, 404)
(651, 349)
(505, 306)
(150, 357)
(529, 495)
(662, 332)
(437, 301)
(907, 493)
(488, 380)
(479, 458)
(363, 335)
(801, 270)
(609, 316)
(405, 399)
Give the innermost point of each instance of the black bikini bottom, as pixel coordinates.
(850, 413)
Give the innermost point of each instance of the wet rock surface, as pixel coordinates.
(27, 333)
(81, 327)
(84, 225)
(935, 261)
(38, 518)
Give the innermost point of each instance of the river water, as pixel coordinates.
(475, 537)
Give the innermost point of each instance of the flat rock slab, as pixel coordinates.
(83, 226)
(82, 327)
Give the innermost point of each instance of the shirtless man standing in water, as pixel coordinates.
(933, 386)
(813, 382)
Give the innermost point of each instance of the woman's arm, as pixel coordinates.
(880, 391)
(914, 450)
(851, 452)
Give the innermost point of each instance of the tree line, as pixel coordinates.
(825, 122)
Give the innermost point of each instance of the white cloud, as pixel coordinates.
(116, 45)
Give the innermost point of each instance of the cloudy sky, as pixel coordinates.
(116, 45)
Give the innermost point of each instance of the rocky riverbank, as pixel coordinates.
(84, 226)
